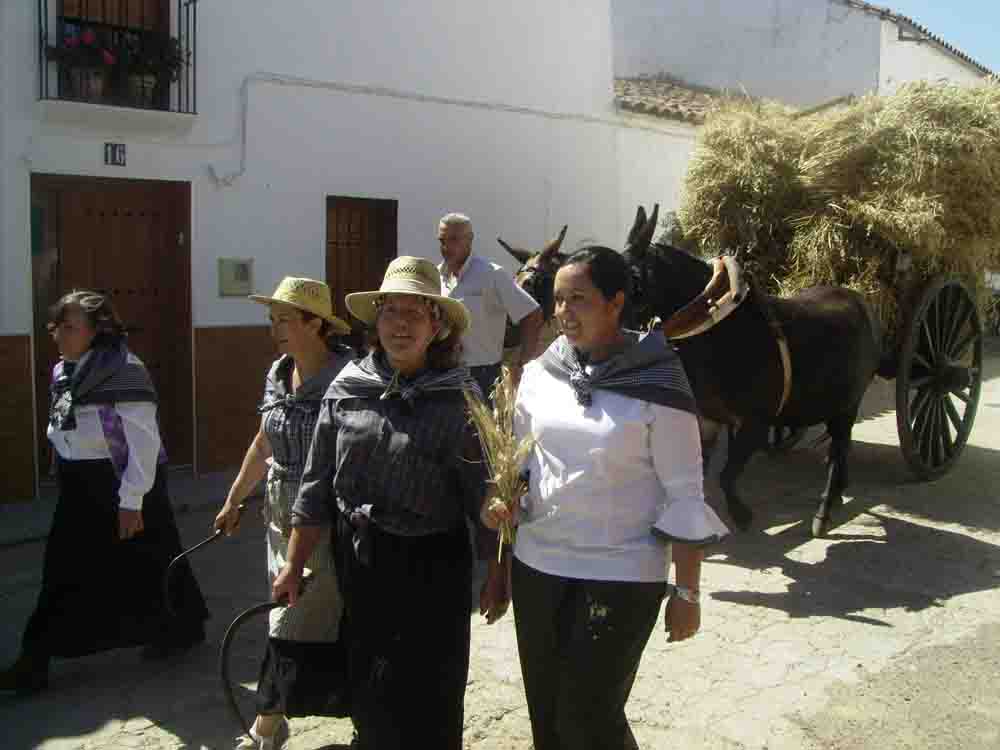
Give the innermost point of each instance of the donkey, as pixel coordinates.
(536, 275)
(793, 362)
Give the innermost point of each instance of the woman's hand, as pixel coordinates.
(228, 519)
(129, 523)
(495, 511)
(288, 583)
(494, 598)
(681, 619)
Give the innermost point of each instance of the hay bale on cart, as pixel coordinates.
(895, 196)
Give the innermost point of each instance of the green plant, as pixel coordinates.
(157, 54)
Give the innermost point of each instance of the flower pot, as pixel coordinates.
(86, 84)
(141, 90)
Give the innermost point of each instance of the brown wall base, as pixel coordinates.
(17, 480)
(231, 363)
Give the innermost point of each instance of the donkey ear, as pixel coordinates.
(637, 225)
(553, 246)
(521, 256)
(645, 235)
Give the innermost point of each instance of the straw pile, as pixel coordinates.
(832, 197)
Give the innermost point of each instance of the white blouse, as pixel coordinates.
(87, 442)
(602, 477)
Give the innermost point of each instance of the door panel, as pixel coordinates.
(361, 241)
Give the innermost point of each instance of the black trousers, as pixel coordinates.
(580, 643)
(408, 631)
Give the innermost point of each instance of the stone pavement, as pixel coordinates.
(884, 635)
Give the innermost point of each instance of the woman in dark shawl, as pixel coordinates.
(113, 516)
(302, 641)
(397, 466)
(615, 491)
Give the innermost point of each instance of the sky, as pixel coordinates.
(973, 26)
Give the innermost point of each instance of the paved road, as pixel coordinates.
(884, 635)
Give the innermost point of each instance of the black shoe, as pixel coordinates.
(26, 676)
(173, 647)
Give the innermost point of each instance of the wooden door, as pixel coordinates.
(128, 239)
(360, 243)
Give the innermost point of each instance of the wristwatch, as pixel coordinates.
(692, 596)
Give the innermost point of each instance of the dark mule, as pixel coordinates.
(736, 367)
(537, 272)
(536, 275)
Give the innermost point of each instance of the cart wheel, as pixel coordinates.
(939, 378)
(781, 439)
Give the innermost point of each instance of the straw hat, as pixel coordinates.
(409, 275)
(309, 295)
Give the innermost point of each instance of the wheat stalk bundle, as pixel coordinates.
(503, 451)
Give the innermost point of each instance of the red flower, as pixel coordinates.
(109, 59)
(88, 37)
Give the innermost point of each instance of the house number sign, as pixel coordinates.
(114, 154)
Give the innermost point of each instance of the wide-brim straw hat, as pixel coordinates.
(309, 295)
(409, 275)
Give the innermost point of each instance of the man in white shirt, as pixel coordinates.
(491, 296)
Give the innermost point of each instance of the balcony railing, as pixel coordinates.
(124, 53)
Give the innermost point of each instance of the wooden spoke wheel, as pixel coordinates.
(939, 378)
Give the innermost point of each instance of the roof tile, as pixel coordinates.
(666, 97)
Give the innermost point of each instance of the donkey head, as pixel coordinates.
(537, 273)
(664, 277)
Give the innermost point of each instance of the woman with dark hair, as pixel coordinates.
(615, 490)
(397, 466)
(113, 517)
(301, 641)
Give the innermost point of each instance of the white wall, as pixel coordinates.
(517, 175)
(801, 51)
(652, 168)
(904, 60)
(456, 106)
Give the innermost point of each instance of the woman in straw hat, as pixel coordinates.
(293, 680)
(397, 465)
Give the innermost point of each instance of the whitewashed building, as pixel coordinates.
(671, 59)
(803, 52)
(179, 154)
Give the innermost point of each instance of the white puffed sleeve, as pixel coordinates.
(675, 445)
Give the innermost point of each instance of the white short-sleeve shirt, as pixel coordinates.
(491, 295)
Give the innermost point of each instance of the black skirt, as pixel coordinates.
(407, 636)
(100, 593)
(303, 679)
